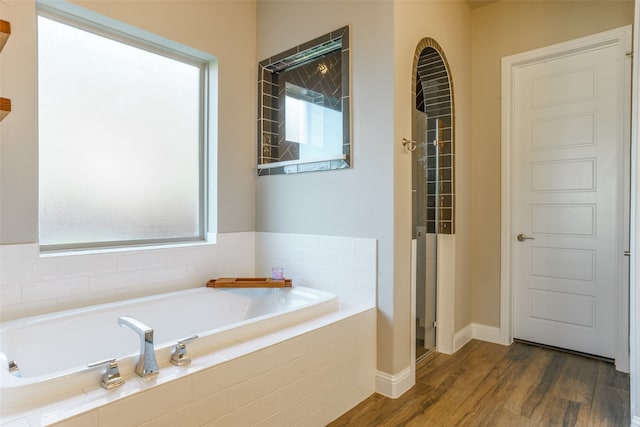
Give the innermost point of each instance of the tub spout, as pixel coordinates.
(13, 369)
(147, 364)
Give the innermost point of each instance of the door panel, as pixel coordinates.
(562, 307)
(562, 263)
(563, 131)
(564, 175)
(568, 198)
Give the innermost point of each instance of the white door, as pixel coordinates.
(568, 198)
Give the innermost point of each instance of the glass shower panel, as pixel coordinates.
(424, 219)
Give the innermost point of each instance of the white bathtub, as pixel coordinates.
(52, 351)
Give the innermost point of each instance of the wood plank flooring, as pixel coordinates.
(487, 384)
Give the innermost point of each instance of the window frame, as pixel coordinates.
(123, 33)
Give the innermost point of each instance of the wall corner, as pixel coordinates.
(394, 386)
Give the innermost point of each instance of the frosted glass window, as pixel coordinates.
(120, 141)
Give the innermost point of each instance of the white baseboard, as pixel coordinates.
(394, 386)
(462, 337)
(478, 332)
(487, 333)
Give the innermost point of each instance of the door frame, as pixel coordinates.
(621, 37)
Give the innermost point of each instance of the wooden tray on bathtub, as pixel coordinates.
(248, 282)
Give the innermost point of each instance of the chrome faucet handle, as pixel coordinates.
(180, 356)
(111, 377)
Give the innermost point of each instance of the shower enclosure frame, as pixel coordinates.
(437, 144)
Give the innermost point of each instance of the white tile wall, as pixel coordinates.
(268, 387)
(31, 284)
(307, 379)
(343, 265)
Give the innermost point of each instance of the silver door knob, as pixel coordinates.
(521, 237)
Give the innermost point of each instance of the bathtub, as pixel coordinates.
(52, 351)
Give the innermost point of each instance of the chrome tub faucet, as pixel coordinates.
(111, 377)
(147, 364)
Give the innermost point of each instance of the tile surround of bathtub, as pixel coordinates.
(306, 379)
(32, 284)
(345, 266)
(310, 375)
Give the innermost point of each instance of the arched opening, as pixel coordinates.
(433, 185)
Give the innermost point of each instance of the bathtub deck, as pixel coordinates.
(304, 374)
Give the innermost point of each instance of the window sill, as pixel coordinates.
(211, 239)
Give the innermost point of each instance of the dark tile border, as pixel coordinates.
(267, 151)
(429, 60)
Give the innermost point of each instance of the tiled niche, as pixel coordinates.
(434, 157)
(317, 73)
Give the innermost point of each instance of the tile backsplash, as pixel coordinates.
(345, 266)
(434, 100)
(31, 283)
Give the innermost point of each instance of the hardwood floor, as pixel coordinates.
(487, 384)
